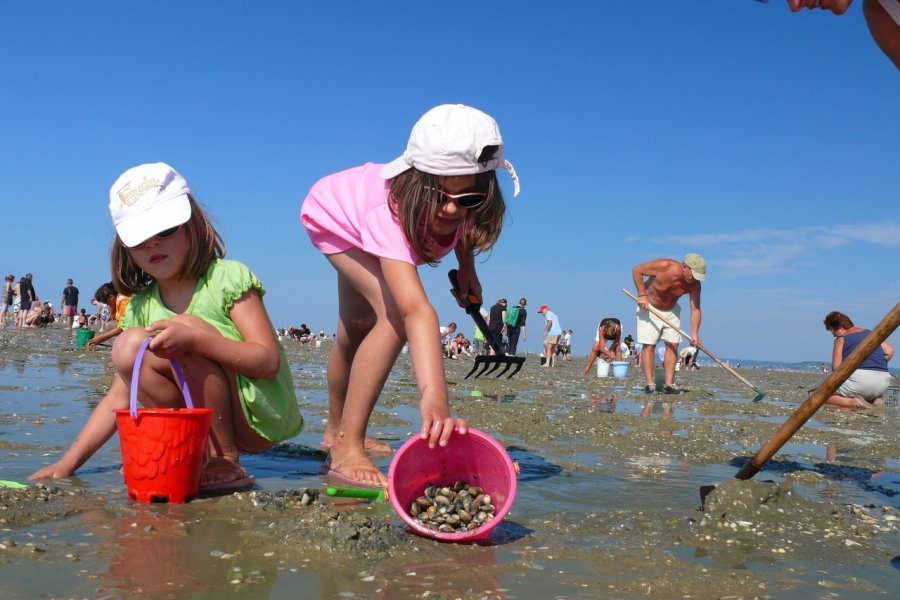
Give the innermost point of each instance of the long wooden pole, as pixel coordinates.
(875, 338)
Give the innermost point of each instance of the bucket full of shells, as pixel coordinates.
(163, 449)
(457, 493)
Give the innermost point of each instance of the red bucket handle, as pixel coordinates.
(182, 383)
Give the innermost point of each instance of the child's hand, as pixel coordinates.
(54, 471)
(468, 283)
(177, 336)
(437, 429)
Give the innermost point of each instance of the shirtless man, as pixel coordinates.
(667, 281)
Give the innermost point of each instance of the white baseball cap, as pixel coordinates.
(448, 140)
(148, 199)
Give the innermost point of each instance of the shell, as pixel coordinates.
(456, 508)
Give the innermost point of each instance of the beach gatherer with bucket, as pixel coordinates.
(202, 311)
(376, 223)
(608, 330)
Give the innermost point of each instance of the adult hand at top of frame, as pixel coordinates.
(882, 18)
(838, 7)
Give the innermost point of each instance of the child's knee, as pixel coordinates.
(124, 351)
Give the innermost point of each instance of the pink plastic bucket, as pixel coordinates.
(163, 449)
(475, 458)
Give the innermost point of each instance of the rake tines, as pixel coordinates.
(513, 360)
(489, 364)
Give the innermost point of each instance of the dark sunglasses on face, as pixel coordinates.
(466, 199)
(165, 233)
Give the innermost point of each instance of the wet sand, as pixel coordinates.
(607, 504)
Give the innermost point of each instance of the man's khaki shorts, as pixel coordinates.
(650, 328)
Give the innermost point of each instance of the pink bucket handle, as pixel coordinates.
(182, 383)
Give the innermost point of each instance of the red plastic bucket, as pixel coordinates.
(163, 449)
(475, 458)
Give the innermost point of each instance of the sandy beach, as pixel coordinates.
(608, 495)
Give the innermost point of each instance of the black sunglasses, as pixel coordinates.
(470, 199)
(165, 233)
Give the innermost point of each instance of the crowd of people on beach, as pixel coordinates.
(303, 335)
(23, 308)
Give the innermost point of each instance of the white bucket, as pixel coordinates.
(318, 343)
(602, 368)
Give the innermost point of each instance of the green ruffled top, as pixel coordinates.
(270, 405)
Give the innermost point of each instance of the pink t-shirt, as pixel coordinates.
(350, 210)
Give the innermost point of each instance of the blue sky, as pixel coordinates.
(764, 140)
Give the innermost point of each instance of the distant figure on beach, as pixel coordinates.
(552, 335)
(882, 18)
(459, 346)
(199, 309)
(633, 350)
(33, 318)
(565, 345)
(689, 358)
(115, 303)
(376, 224)
(864, 387)
(516, 320)
(479, 337)
(26, 298)
(666, 281)
(447, 337)
(82, 320)
(824, 368)
(103, 313)
(607, 342)
(8, 295)
(496, 322)
(48, 315)
(69, 303)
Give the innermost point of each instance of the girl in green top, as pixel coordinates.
(202, 311)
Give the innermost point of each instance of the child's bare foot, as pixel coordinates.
(221, 473)
(372, 446)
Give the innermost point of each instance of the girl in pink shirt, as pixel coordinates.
(376, 224)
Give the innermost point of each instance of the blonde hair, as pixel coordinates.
(611, 329)
(204, 246)
(414, 201)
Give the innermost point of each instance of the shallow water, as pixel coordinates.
(607, 503)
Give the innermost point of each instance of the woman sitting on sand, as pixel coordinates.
(867, 384)
(33, 317)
